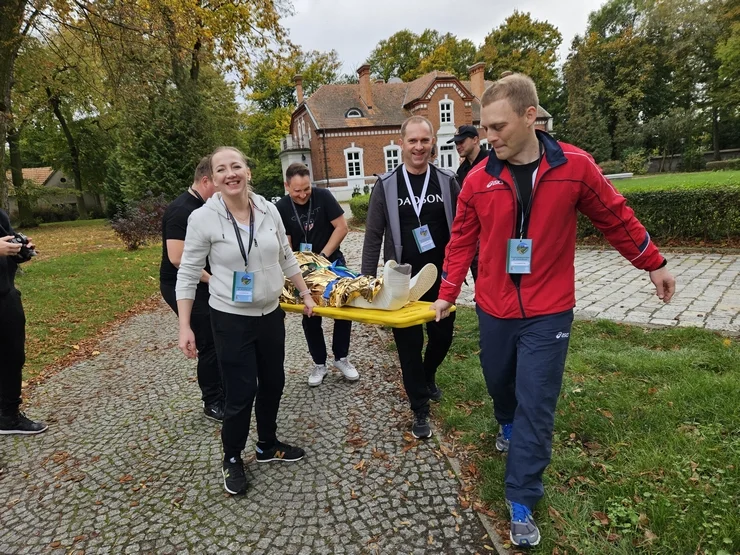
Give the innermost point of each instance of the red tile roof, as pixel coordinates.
(329, 103)
(38, 175)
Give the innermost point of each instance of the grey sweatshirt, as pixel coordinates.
(211, 235)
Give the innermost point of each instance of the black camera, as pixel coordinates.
(26, 253)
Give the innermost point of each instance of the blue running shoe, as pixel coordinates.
(504, 437)
(524, 531)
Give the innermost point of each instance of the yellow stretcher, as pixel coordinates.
(410, 315)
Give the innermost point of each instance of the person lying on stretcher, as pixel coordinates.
(336, 286)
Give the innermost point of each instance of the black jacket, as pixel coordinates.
(8, 265)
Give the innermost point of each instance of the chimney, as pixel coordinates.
(366, 91)
(298, 80)
(477, 79)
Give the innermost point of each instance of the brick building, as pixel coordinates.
(348, 133)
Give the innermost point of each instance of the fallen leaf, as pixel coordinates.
(606, 414)
(601, 517)
(360, 465)
(126, 478)
(650, 537)
(556, 517)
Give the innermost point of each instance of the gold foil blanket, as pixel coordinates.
(318, 273)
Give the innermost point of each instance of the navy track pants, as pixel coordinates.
(523, 361)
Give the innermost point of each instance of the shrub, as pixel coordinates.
(611, 166)
(733, 164)
(59, 212)
(359, 205)
(636, 162)
(692, 159)
(140, 221)
(701, 213)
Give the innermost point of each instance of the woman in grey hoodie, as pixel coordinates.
(242, 236)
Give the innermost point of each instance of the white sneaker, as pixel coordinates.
(347, 369)
(317, 375)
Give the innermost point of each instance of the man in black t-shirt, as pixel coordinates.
(315, 222)
(407, 206)
(467, 143)
(174, 227)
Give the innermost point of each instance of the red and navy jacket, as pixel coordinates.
(568, 181)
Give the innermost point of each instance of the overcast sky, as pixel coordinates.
(353, 31)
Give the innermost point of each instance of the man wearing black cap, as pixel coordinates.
(468, 147)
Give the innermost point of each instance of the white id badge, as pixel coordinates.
(241, 291)
(305, 247)
(519, 256)
(423, 238)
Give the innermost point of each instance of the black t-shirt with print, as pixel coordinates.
(315, 228)
(432, 214)
(174, 226)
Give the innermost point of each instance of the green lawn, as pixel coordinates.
(647, 440)
(71, 297)
(673, 181)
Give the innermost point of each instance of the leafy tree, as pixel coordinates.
(451, 55)
(401, 54)
(272, 85)
(262, 134)
(159, 145)
(524, 45)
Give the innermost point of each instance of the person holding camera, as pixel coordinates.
(15, 249)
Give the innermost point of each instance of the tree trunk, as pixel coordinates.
(11, 17)
(74, 153)
(25, 211)
(715, 133)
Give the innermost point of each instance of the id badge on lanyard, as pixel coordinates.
(519, 251)
(242, 288)
(422, 235)
(305, 246)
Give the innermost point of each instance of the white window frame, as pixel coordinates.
(447, 108)
(484, 145)
(447, 150)
(391, 155)
(354, 113)
(355, 163)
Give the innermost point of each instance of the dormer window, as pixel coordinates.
(445, 112)
(353, 113)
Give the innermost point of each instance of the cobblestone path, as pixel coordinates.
(130, 465)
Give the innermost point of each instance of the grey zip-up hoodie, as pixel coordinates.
(211, 234)
(383, 220)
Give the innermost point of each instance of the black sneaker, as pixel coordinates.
(421, 428)
(435, 393)
(214, 412)
(235, 481)
(279, 452)
(20, 424)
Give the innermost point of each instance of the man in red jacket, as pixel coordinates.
(522, 206)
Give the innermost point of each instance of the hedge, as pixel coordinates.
(708, 213)
(732, 164)
(705, 213)
(359, 205)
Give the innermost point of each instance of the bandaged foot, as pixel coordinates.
(398, 287)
